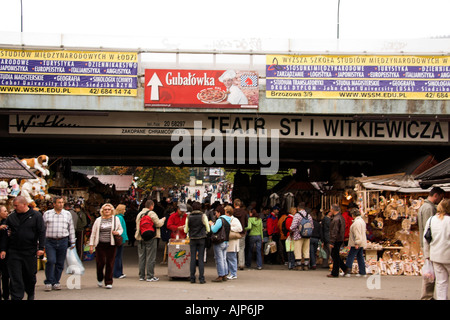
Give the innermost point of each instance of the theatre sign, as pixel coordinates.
(306, 128)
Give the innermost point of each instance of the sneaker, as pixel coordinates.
(231, 277)
(347, 275)
(153, 279)
(361, 275)
(122, 276)
(48, 287)
(56, 286)
(100, 284)
(108, 286)
(141, 279)
(259, 268)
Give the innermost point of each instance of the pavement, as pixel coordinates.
(273, 282)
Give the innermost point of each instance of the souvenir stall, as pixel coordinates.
(390, 205)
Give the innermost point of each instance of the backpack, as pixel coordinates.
(147, 228)
(305, 227)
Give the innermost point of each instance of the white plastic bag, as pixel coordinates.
(73, 262)
(428, 271)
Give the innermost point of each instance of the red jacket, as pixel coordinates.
(348, 222)
(272, 224)
(174, 222)
(288, 223)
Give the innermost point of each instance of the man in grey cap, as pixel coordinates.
(176, 222)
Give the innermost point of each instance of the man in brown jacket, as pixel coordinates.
(242, 215)
(337, 232)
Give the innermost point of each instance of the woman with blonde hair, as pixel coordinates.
(438, 250)
(118, 263)
(102, 239)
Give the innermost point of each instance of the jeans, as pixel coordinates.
(147, 257)
(291, 259)
(254, 241)
(241, 253)
(220, 254)
(359, 257)
(118, 262)
(197, 246)
(232, 263)
(56, 251)
(313, 245)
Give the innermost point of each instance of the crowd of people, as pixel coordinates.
(299, 238)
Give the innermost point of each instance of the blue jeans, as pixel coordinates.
(359, 258)
(56, 251)
(313, 245)
(118, 262)
(220, 254)
(255, 241)
(232, 263)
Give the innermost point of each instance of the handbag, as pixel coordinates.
(118, 240)
(235, 235)
(221, 235)
(428, 236)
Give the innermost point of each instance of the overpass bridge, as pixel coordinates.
(133, 101)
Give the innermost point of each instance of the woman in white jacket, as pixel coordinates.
(102, 238)
(357, 242)
(438, 250)
(233, 244)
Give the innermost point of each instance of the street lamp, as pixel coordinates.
(339, 4)
(21, 16)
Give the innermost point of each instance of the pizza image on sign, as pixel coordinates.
(201, 88)
(212, 95)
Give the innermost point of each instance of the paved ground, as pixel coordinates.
(274, 282)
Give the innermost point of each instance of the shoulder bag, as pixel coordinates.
(427, 234)
(118, 240)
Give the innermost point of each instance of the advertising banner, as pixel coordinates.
(201, 88)
(68, 72)
(358, 77)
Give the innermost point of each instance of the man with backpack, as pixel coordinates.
(147, 235)
(301, 231)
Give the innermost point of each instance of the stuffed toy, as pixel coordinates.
(27, 190)
(4, 190)
(39, 164)
(15, 188)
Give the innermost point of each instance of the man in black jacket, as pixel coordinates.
(25, 241)
(337, 232)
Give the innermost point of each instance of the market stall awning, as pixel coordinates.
(398, 182)
(13, 168)
(438, 175)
